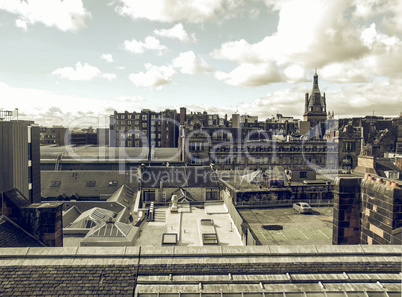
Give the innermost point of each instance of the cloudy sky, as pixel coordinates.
(76, 61)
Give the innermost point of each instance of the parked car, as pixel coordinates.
(302, 207)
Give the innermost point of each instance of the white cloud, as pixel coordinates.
(177, 10)
(21, 24)
(50, 108)
(107, 57)
(130, 99)
(380, 96)
(311, 34)
(352, 72)
(294, 73)
(176, 32)
(82, 72)
(250, 75)
(64, 15)
(188, 63)
(155, 76)
(139, 47)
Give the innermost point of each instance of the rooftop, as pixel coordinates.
(186, 223)
(104, 153)
(85, 184)
(178, 176)
(251, 271)
(285, 226)
(12, 235)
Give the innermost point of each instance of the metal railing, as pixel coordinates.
(285, 203)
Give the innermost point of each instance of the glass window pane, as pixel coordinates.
(252, 294)
(231, 294)
(335, 294)
(356, 294)
(394, 294)
(377, 294)
(275, 294)
(294, 294)
(315, 294)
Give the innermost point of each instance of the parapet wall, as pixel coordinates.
(381, 212)
(367, 211)
(106, 271)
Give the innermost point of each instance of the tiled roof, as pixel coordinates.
(11, 235)
(17, 198)
(85, 183)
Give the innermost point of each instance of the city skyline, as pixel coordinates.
(63, 61)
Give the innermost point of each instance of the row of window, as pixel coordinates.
(275, 160)
(199, 146)
(90, 183)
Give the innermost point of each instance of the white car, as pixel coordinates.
(302, 207)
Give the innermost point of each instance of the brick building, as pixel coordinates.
(41, 220)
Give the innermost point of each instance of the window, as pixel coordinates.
(55, 184)
(349, 146)
(211, 195)
(90, 183)
(196, 146)
(149, 195)
(303, 174)
(113, 183)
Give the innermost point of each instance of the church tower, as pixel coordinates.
(315, 108)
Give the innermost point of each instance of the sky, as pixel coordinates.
(75, 62)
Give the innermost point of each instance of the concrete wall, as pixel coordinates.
(14, 157)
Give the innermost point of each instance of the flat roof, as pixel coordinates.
(288, 227)
(186, 224)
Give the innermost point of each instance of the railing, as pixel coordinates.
(285, 203)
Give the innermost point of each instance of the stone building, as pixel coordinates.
(315, 109)
(240, 148)
(367, 211)
(348, 140)
(190, 184)
(144, 129)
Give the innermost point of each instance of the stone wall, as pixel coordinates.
(367, 211)
(114, 271)
(381, 212)
(346, 219)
